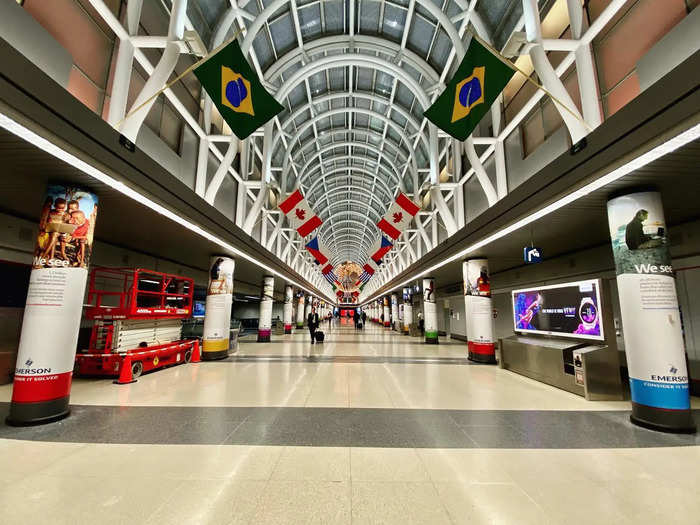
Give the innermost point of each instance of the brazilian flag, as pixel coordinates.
(236, 90)
(479, 80)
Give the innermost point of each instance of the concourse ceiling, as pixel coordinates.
(352, 73)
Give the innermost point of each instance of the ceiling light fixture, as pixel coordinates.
(659, 151)
(40, 142)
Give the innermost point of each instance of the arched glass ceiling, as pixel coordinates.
(354, 77)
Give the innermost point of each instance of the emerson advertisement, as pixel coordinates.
(651, 318)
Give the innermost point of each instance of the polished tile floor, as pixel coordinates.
(367, 428)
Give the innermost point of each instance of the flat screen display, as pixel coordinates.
(569, 310)
(198, 309)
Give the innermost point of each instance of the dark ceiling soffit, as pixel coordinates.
(26, 88)
(665, 104)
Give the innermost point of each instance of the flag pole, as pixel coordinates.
(510, 64)
(182, 75)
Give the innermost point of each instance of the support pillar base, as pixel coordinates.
(214, 356)
(671, 421)
(39, 413)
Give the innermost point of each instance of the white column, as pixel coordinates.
(300, 310)
(288, 304)
(430, 311)
(478, 310)
(307, 310)
(266, 300)
(385, 311)
(651, 321)
(217, 309)
(395, 312)
(407, 310)
(51, 322)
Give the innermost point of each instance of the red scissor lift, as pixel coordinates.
(137, 321)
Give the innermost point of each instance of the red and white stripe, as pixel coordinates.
(398, 217)
(300, 215)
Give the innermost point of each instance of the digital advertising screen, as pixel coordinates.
(569, 310)
(198, 309)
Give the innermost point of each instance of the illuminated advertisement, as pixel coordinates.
(217, 318)
(569, 310)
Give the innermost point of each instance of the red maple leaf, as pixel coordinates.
(300, 214)
(398, 216)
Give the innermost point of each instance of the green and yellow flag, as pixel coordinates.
(236, 90)
(479, 80)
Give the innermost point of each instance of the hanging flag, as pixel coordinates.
(398, 217)
(329, 275)
(236, 91)
(314, 249)
(299, 213)
(479, 80)
(365, 276)
(384, 246)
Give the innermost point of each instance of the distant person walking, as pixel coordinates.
(356, 318)
(364, 319)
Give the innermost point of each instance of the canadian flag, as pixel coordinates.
(299, 213)
(398, 217)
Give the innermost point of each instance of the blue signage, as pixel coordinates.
(532, 254)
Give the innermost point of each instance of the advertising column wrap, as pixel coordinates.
(478, 310)
(407, 310)
(217, 309)
(49, 337)
(651, 321)
(266, 299)
(386, 311)
(300, 309)
(287, 313)
(394, 311)
(430, 311)
(307, 310)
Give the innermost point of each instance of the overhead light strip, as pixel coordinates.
(40, 142)
(639, 162)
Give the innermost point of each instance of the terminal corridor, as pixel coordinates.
(381, 262)
(368, 427)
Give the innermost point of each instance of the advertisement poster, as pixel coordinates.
(430, 311)
(570, 310)
(395, 311)
(407, 310)
(477, 299)
(288, 307)
(386, 312)
(217, 316)
(55, 296)
(648, 303)
(266, 299)
(300, 310)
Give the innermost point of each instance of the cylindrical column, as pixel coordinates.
(394, 311)
(651, 320)
(430, 311)
(407, 310)
(266, 299)
(287, 312)
(217, 310)
(478, 311)
(49, 337)
(386, 311)
(307, 310)
(300, 309)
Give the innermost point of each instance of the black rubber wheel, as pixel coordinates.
(188, 356)
(136, 369)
